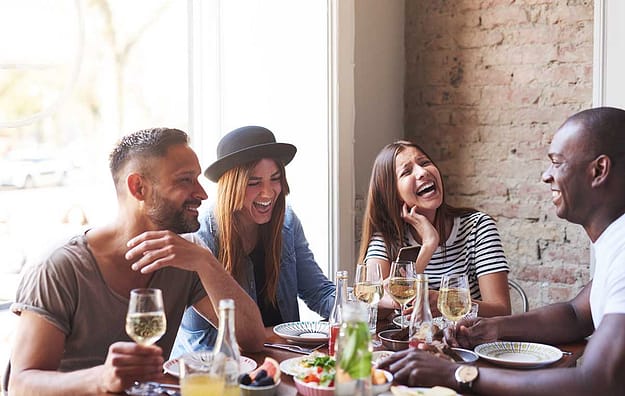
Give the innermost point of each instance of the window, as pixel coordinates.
(609, 57)
(79, 74)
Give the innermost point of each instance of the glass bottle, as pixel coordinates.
(226, 347)
(421, 329)
(353, 354)
(335, 319)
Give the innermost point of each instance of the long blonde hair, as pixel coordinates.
(230, 197)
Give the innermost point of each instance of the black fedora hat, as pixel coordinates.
(247, 144)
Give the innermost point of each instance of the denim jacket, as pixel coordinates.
(299, 275)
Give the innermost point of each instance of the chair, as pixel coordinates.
(516, 289)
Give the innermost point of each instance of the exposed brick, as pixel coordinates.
(558, 293)
(494, 17)
(478, 38)
(488, 82)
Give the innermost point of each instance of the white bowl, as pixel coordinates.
(269, 390)
(312, 390)
(381, 388)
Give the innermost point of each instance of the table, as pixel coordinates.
(287, 385)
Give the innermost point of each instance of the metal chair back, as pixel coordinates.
(521, 300)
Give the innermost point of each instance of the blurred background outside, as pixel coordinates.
(78, 74)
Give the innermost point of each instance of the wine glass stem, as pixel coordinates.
(403, 320)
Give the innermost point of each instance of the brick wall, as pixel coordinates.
(487, 85)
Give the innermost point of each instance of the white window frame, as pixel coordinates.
(204, 55)
(608, 62)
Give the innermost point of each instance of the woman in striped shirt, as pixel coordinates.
(406, 206)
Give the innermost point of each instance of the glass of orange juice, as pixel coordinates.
(201, 377)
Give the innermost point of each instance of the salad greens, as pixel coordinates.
(320, 370)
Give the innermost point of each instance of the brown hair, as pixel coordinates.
(383, 208)
(141, 145)
(230, 195)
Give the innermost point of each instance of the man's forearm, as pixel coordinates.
(249, 326)
(553, 324)
(53, 383)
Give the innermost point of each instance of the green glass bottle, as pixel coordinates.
(353, 356)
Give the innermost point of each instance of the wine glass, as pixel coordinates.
(368, 289)
(145, 320)
(454, 297)
(402, 284)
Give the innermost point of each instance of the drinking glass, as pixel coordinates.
(472, 314)
(199, 378)
(145, 320)
(402, 285)
(368, 289)
(454, 297)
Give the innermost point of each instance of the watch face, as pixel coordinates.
(467, 373)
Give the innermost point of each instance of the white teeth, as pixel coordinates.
(262, 203)
(425, 187)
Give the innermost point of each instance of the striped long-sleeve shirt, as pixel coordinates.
(473, 247)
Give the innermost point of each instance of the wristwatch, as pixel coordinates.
(465, 375)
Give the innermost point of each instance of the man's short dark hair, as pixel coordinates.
(146, 143)
(604, 128)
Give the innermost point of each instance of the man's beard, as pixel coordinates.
(167, 217)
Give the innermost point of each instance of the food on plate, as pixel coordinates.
(266, 374)
(441, 350)
(377, 377)
(438, 346)
(320, 370)
(402, 335)
(435, 391)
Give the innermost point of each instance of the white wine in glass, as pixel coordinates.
(368, 289)
(145, 320)
(402, 285)
(454, 298)
(368, 292)
(368, 283)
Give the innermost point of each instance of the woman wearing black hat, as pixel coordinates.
(256, 236)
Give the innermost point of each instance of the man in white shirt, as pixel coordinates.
(587, 178)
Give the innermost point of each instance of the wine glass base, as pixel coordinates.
(150, 389)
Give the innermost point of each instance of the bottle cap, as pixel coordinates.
(341, 274)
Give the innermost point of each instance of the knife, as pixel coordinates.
(293, 348)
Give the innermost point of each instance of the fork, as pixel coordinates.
(293, 348)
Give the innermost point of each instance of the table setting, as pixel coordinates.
(296, 353)
(288, 358)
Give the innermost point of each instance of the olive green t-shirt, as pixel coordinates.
(68, 290)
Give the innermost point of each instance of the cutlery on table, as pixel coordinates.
(293, 348)
(153, 388)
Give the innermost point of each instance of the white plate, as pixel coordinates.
(438, 321)
(466, 355)
(416, 391)
(292, 366)
(172, 367)
(303, 332)
(518, 354)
